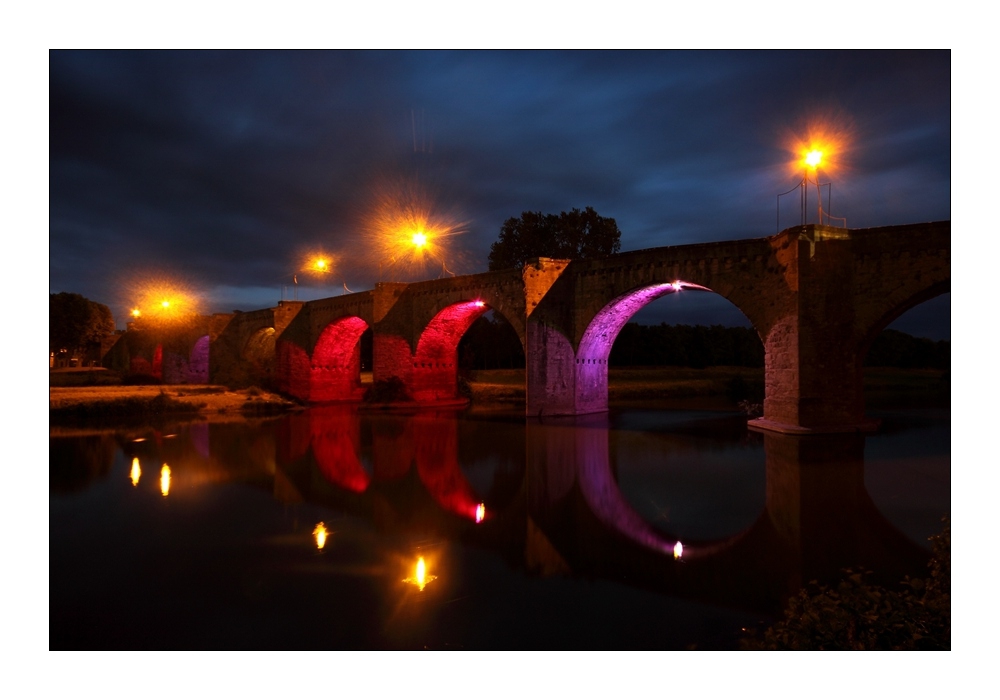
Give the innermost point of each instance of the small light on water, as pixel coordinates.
(678, 550)
(136, 472)
(420, 578)
(165, 480)
(480, 512)
(320, 534)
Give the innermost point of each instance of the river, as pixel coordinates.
(451, 530)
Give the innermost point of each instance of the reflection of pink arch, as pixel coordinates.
(335, 369)
(435, 362)
(597, 341)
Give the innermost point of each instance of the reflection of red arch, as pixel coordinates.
(436, 454)
(435, 362)
(335, 433)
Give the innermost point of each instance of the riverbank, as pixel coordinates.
(92, 393)
(112, 402)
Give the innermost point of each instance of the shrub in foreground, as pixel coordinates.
(856, 615)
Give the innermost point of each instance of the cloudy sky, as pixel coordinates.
(221, 171)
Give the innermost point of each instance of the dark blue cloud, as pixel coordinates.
(221, 167)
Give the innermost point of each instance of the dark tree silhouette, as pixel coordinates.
(574, 235)
(75, 321)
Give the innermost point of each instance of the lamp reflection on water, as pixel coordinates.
(480, 512)
(420, 578)
(320, 534)
(165, 480)
(678, 550)
(135, 473)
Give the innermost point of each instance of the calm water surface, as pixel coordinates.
(575, 548)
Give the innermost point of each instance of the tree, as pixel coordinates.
(575, 235)
(75, 321)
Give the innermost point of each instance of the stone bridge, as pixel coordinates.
(816, 295)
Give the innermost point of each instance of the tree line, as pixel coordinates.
(491, 343)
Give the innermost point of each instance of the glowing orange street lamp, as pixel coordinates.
(419, 239)
(812, 160)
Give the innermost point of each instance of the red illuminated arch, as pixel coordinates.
(435, 362)
(335, 368)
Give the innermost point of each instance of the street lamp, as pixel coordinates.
(812, 160)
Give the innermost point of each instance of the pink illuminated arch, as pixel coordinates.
(597, 341)
(435, 362)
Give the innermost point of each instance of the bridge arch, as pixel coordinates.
(335, 365)
(599, 337)
(435, 359)
(259, 353)
(894, 306)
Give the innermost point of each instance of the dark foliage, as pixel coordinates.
(75, 322)
(490, 343)
(686, 346)
(896, 349)
(574, 235)
(856, 615)
(391, 390)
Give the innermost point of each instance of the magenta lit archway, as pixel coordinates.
(435, 362)
(597, 341)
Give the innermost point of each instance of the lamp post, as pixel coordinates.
(812, 161)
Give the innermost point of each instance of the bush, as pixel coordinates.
(391, 390)
(141, 380)
(856, 615)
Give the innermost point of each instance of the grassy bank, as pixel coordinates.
(649, 383)
(95, 403)
(489, 386)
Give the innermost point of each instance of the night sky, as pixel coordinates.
(219, 172)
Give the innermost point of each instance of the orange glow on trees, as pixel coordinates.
(160, 301)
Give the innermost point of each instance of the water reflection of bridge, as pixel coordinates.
(563, 511)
